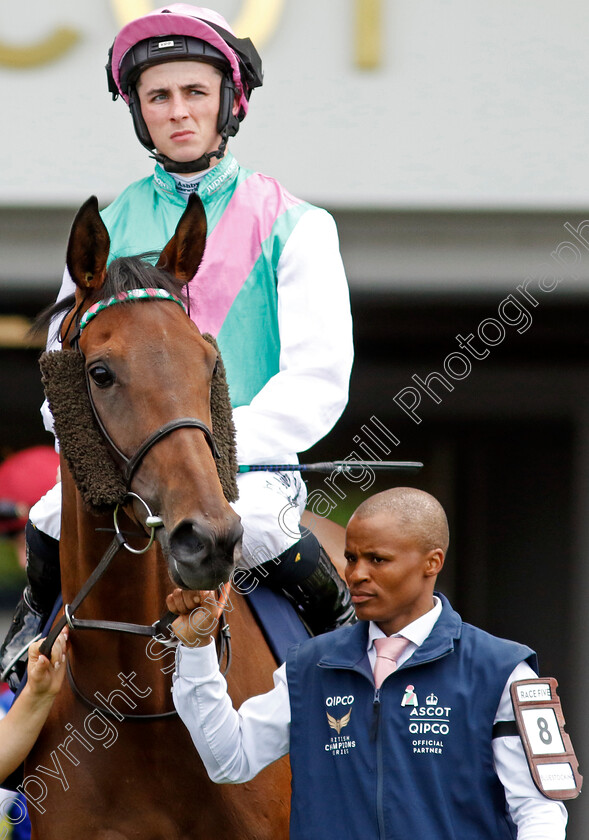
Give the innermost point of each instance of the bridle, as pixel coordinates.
(128, 466)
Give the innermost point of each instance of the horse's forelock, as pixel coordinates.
(126, 273)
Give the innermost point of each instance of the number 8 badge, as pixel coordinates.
(541, 726)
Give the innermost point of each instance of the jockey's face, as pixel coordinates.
(180, 105)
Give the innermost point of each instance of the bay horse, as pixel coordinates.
(114, 762)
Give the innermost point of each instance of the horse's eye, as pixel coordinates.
(101, 376)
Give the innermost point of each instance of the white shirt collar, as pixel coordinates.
(417, 631)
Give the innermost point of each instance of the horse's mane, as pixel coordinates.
(123, 274)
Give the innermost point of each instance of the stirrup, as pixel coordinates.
(25, 629)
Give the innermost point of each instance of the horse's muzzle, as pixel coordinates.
(200, 557)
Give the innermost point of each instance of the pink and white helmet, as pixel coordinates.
(183, 32)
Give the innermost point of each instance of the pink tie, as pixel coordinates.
(388, 650)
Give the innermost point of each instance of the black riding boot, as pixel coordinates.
(35, 605)
(308, 578)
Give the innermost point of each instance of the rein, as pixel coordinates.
(129, 466)
(118, 542)
(223, 648)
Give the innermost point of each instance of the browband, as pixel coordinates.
(124, 297)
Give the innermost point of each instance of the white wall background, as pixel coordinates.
(476, 105)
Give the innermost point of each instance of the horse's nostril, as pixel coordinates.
(199, 556)
(185, 541)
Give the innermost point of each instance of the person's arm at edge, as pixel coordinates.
(536, 816)
(21, 726)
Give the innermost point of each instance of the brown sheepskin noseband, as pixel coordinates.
(223, 427)
(96, 475)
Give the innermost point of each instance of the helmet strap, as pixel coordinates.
(188, 166)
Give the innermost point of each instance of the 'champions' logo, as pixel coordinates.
(338, 723)
(339, 744)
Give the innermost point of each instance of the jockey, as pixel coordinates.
(271, 290)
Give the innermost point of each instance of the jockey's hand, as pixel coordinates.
(45, 677)
(198, 615)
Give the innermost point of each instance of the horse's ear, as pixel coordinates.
(88, 247)
(183, 253)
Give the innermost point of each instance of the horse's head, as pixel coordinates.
(149, 374)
